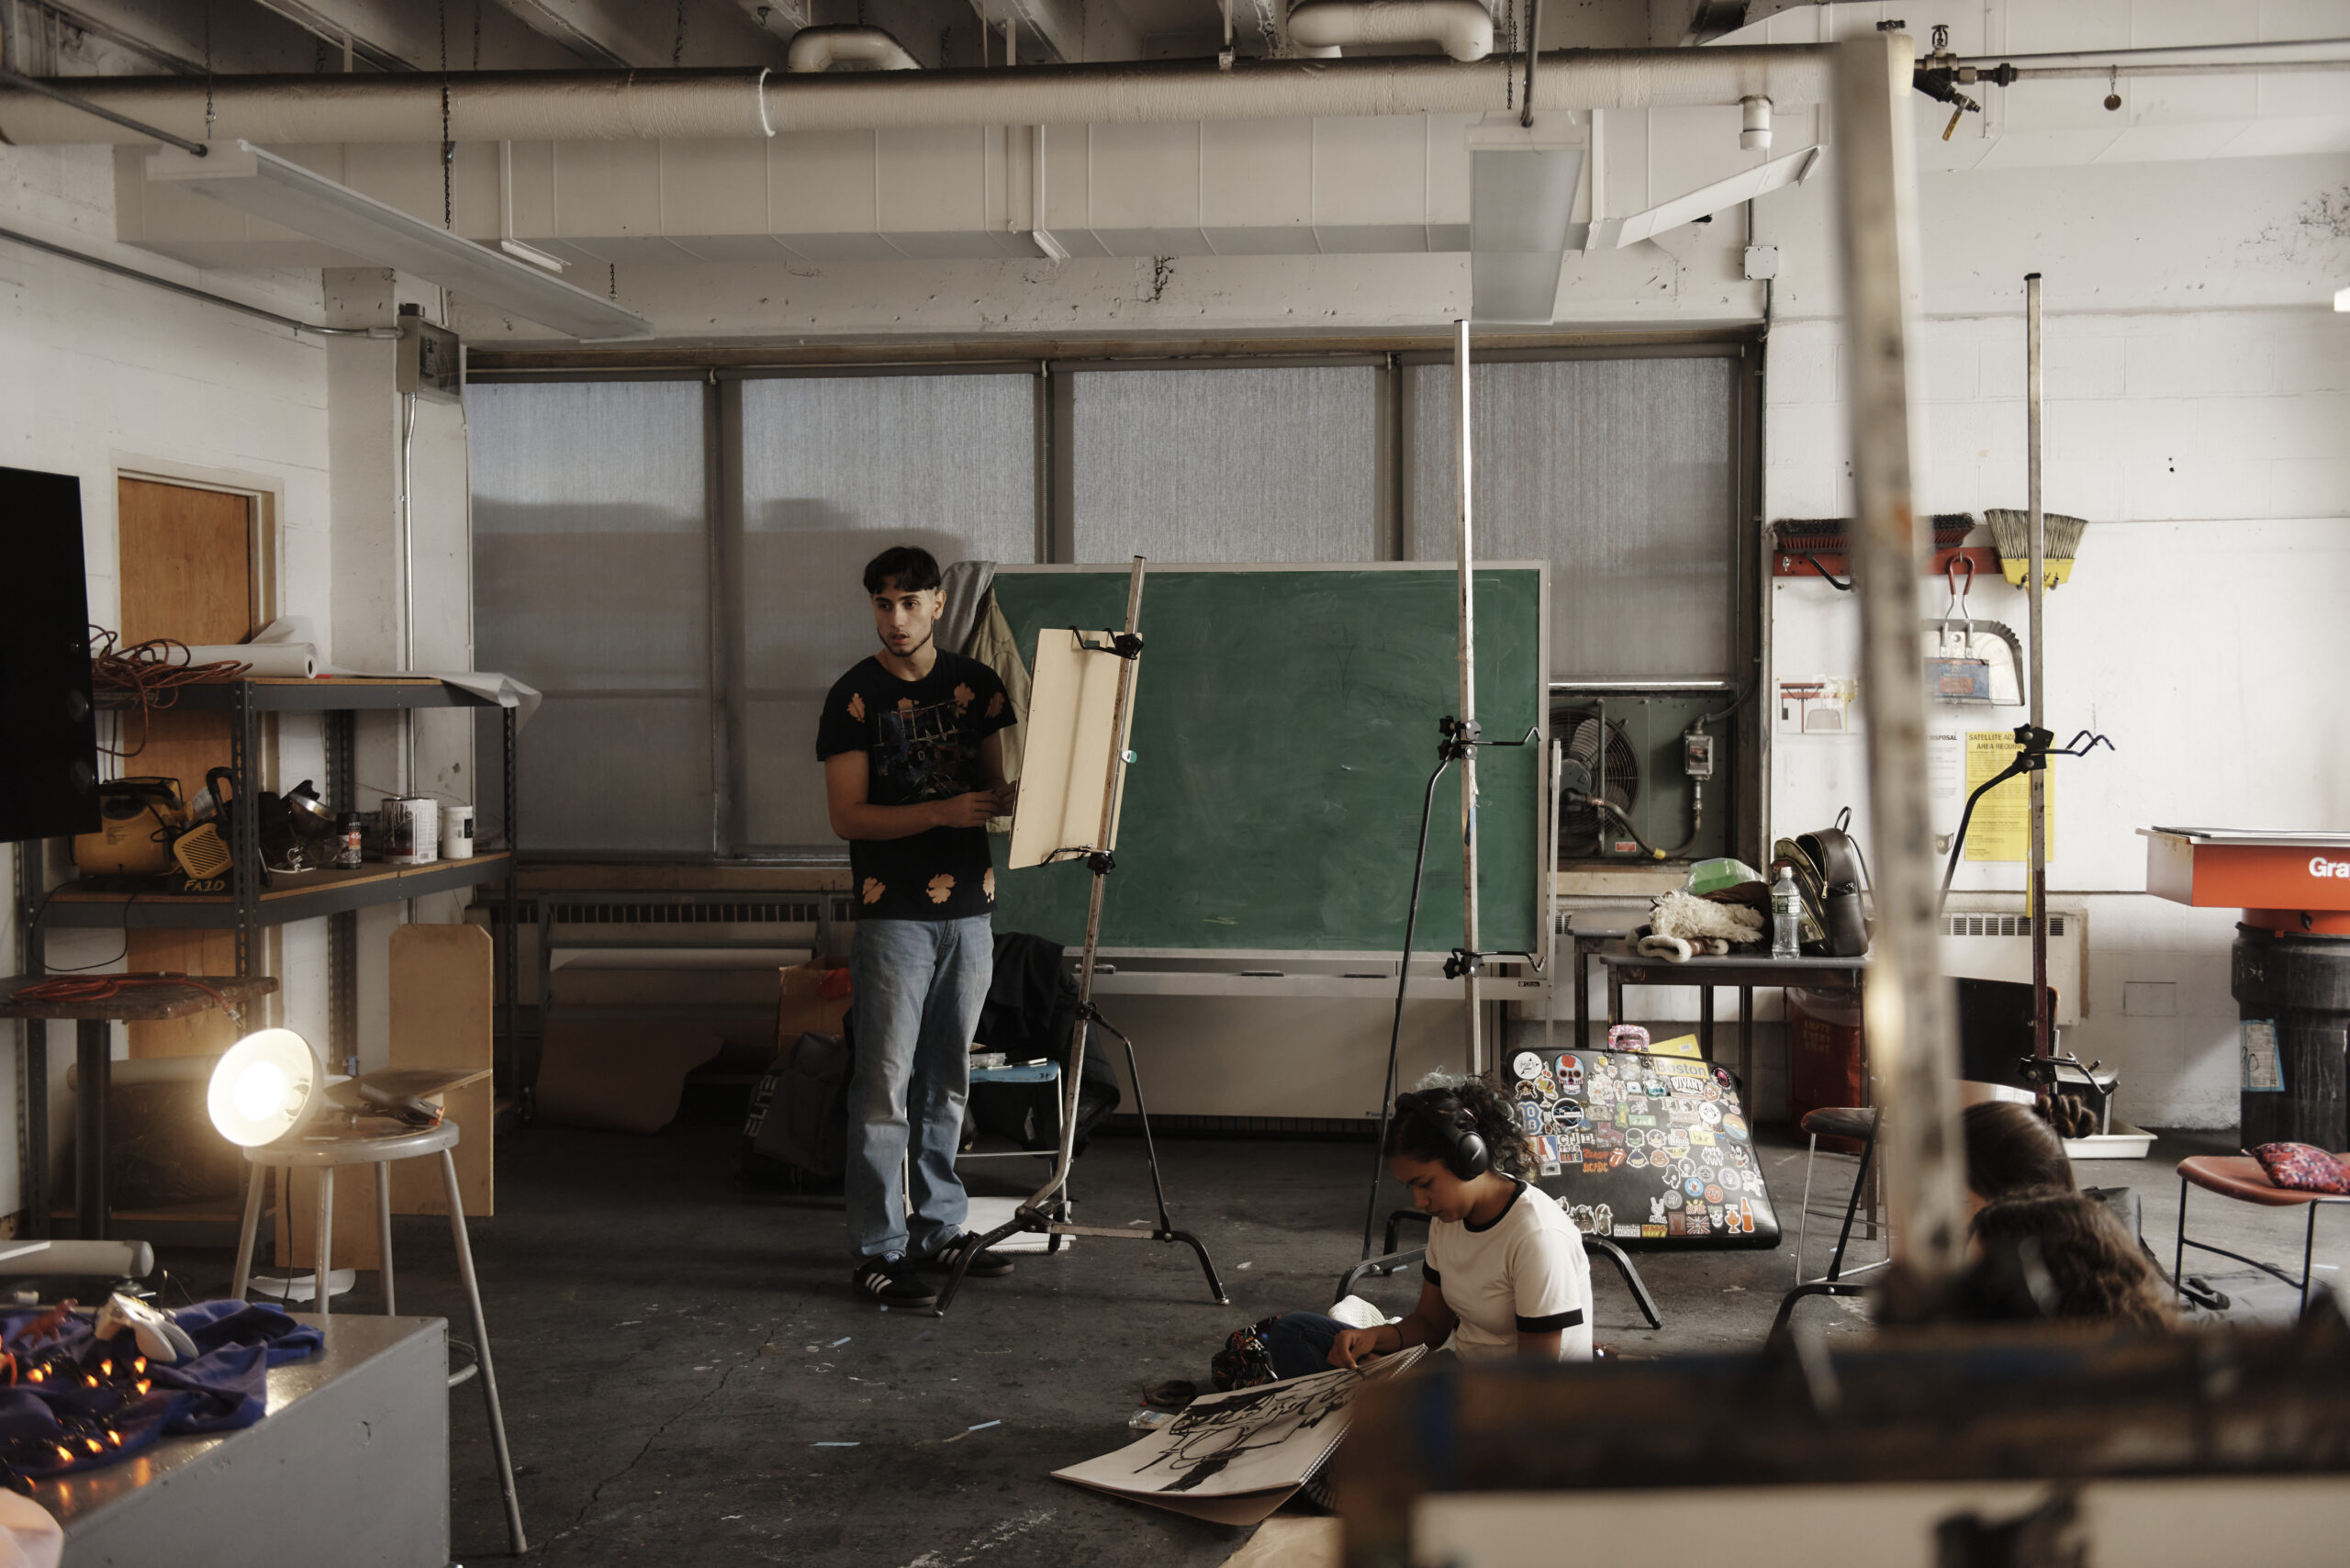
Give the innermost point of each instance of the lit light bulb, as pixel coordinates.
(267, 1085)
(261, 1089)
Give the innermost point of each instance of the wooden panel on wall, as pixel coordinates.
(354, 1243)
(187, 568)
(187, 573)
(442, 1004)
(440, 1016)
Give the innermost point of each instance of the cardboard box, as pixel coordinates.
(804, 1006)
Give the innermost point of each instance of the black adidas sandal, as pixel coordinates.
(891, 1281)
(988, 1265)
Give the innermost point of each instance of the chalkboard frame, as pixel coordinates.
(1442, 845)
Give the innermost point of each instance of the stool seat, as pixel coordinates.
(1037, 1072)
(310, 1150)
(378, 1142)
(2241, 1177)
(1842, 1121)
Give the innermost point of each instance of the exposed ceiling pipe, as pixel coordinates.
(822, 49)
(2268, 56)
(545, 106)
(1464, 29)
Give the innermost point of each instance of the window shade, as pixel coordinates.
(1243, 465)
(1620, 473)
(592, 583)
(835, 470)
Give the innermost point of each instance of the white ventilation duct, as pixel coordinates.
(1464, 29)
(614, 106)
(822, 49)
(1523, 183)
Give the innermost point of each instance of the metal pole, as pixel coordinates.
(1551, 900)
(2036, 856)
(1912, 1054)
(1469, 935)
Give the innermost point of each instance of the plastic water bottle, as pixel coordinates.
(1786, 915)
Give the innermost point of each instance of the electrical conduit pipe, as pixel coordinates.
(1463, 29)
(619, 106)
(821, 49)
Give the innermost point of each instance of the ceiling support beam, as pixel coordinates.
(387, 35)
(639, 37)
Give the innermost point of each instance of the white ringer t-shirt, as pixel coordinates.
(1523, 1273)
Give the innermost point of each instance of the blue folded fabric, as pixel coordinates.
(222, 1388)
(215, 1324)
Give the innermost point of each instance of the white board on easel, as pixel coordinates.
(1065, 763)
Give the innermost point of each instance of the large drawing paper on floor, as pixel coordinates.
(1236, 1457)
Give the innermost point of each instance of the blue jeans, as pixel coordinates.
(918, 986)
(1300, 1343)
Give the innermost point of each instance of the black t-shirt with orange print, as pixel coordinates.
(922, 743)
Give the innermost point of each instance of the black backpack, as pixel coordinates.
(797, 1134)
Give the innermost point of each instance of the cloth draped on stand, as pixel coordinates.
(992, 642)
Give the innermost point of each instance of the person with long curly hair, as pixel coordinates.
(2073, 1259)
(1506, 1275)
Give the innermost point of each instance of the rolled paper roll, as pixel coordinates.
(299, 659)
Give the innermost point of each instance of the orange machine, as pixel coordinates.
(2291, 883)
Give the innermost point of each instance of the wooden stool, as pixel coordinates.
(322, 1151)
(2242, 1178)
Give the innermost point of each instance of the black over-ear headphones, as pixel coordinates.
(1470, 1158)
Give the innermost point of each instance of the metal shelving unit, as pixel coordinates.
(251, 904)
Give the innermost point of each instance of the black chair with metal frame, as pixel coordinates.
(1859, 1123)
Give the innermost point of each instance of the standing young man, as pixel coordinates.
(914, 769)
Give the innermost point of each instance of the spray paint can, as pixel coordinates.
(411, 830)
(347, 841)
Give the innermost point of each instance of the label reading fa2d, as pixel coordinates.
(2264, 1066)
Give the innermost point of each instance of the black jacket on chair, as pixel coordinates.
(1031, 1011)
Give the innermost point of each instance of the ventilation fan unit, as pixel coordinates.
(1598, 761)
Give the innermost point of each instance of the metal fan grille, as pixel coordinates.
(1581, 825)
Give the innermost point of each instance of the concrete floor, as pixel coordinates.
(671, 1349)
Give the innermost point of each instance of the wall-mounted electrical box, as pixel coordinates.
(430, 362)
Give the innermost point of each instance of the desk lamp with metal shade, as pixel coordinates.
(270, 1085)
(270, 1088)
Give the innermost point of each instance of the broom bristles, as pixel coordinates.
(2060, 536)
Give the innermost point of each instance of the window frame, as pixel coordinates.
(1052, 368)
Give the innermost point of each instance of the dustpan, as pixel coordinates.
(1971, 661)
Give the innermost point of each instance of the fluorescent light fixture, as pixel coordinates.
(266, 1088)
(1521, 185)
(377, 233)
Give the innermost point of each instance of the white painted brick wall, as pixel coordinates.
(2203, 629)
(103, 375)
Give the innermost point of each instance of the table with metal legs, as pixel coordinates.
(1746, 974)
(154, 997)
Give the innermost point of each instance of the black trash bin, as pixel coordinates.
(2300, 985)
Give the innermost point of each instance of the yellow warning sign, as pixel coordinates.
(2000, 829)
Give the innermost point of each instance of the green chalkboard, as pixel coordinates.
(1285, 725)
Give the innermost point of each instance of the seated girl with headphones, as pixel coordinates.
(1506, 1273)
